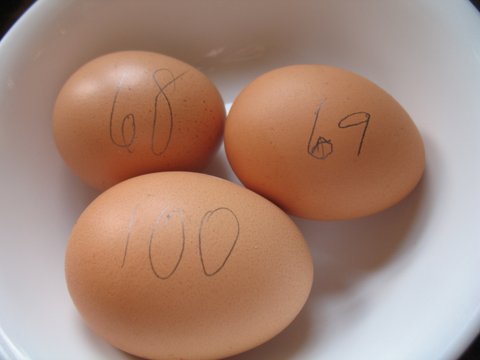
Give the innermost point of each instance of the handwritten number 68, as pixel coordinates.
(123, 128)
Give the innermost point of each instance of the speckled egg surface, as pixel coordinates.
(134, 112)
(180, 265)
(323, 143)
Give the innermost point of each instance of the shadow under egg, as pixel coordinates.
(101, 346)
(76, 194)
(346, 253)
(219, 166)
(286, 344)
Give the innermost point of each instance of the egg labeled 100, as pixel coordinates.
(134, 112)
(323, 143)
(181, 265)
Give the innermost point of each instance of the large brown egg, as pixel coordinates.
(133, 112)
(323, 142)
(181, 265)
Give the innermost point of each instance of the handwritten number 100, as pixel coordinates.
(169, 217)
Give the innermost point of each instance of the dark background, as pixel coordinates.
(11, 10)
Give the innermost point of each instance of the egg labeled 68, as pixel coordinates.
(133, 112)
(181, 265)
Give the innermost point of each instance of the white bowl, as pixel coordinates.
(402, 284)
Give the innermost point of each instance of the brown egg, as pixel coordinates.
(134, 112)
(323, 143)
(181, 265)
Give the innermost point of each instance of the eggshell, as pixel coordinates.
(179, 265)
(134, 112)
(323, 143)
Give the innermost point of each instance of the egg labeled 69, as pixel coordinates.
(323, 143)
(180, 265)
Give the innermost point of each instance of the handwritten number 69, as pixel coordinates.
(356, 119)
(321, 147)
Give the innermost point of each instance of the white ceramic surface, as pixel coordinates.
(403, 284)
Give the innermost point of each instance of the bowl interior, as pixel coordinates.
(374, 277)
